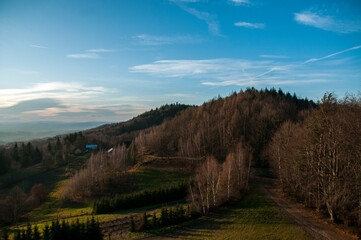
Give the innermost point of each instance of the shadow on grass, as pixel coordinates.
(253, 209)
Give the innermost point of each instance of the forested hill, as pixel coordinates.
(143, 121)
(249, 117)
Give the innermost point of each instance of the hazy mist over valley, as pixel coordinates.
(24, 131)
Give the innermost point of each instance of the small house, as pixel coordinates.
(92, 146)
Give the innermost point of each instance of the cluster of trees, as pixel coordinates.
(17, 202)
(216, 127)
(90, 230)
(104, 172)
(140, 199)
(216, 183)
(168, 217)
(318, 161)
(24, 155)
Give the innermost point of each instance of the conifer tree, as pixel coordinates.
(36, 234)
(154, 221)
(5, 234)
(28, 232)
(131, 224)
(46, 233)
(145, 223)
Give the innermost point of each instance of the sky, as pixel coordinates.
(86, 60)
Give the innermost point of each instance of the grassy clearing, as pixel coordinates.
(147, 178)
(151, 177)
(254, 217)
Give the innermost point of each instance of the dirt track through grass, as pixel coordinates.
(308, 222)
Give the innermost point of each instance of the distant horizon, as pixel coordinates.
(110, 61)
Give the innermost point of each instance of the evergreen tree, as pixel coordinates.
(5, 234)
(145, 223)
(36, 234)
(28, 232)
(154, 221)
(46, 233)
(17, 235)
(131, 224)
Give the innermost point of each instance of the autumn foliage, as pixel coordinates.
(318, 159)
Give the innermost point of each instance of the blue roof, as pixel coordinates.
(94, 146)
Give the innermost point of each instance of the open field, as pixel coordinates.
(56, 178)
(253, 217)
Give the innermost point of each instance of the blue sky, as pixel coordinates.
(112, 60)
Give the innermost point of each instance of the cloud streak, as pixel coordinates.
(210, 19)
(90, 53)
(332, 55)
(272, 56)
(152, 40)
(243, 72)
(54, 90)
(100, 50)
(38, 46)
(83, 56)
(328, 23)
(249, 25)
(240, 2)
(55, 101)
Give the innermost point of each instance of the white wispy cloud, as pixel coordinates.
(240, 2)
(100, 50)
(328, 23)
(332, 55)
(243, 72)
(249, 25)
(38, 46)
(182, 68)
(78, 112)
(184, 1)
(153, 40)
(53, 90)
(90, 53)
(210, 19)
(55, 101)
(87, 55)
(272, 56)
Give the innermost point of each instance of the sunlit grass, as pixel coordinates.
(253, 217)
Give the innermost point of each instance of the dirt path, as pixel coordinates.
(310, 223)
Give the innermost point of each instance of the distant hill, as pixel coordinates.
(25, 131)
(145, 120)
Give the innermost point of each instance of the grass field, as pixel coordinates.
(253, 217)
(152, 177)
(146, 178)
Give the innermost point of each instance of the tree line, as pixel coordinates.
(89, 230)
(318, 158)
(140, 199)
(168, 217)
